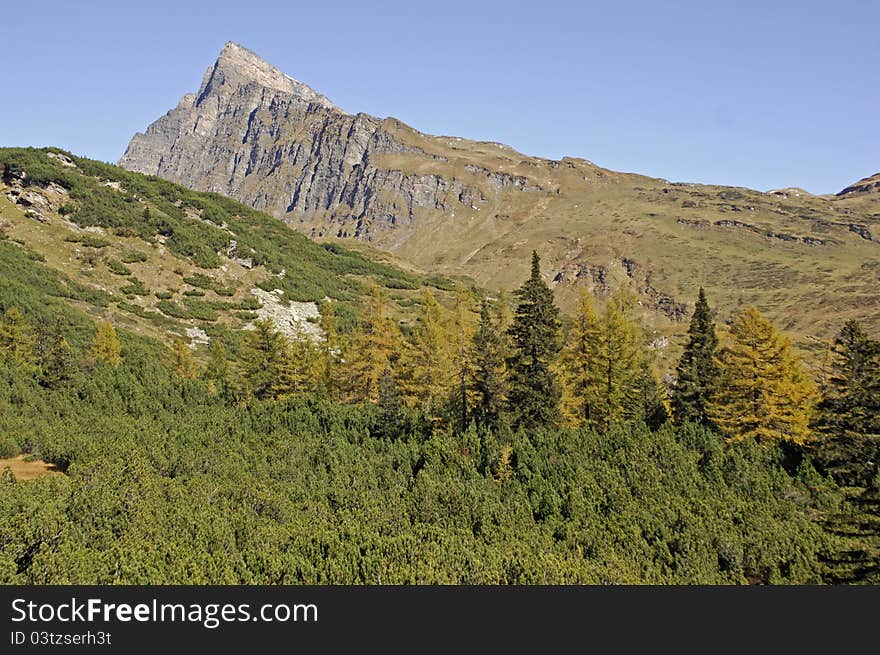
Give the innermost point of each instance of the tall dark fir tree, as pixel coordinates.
(54, 356)
(697, 370)
(488, 384)
(534, 393)
(849, 412)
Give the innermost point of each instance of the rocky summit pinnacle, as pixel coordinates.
(237, 66)
(256, 134)
(234, 89)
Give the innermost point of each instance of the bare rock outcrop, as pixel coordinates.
(295, 320)
(255, 134)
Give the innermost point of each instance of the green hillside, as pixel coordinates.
(159, 258)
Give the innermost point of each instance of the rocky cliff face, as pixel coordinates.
(255, 134)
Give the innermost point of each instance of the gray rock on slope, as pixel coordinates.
(257, 135)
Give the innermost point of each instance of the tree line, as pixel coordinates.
(490, 366)
(487, 365)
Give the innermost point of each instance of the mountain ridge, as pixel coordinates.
(452, 205)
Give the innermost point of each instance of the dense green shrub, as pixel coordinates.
(172, 309)
(135, 287)
(133, 256)
(118, 268)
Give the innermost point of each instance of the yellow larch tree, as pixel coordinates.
(105, 346)
(370, 351)
(17, 339)
(764, 394)
(183, 364)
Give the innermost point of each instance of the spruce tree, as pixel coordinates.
(54, 355)
(534, 394)
(849, 412)
(105, 346)
(487, 382)
(697, 370)
(763, 392)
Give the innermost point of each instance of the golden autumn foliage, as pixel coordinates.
(17, 339)
(763, 392)
(427, 361)
(604, 365)
(436, 362)
(370, 350)
(577, 362)
(183, 364)
(106, 347)
(300, 369)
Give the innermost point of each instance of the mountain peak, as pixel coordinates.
(237, 66)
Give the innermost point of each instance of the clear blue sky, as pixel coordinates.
(762, 94)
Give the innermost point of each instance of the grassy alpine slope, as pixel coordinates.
(160, 259)
(806, 261)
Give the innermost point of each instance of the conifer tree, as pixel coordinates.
(488, 376)
(503, 470)
(607, 372)
(579, 364)
(182, 362)
(391, 420)
(460, 330)
(763, 392)
(372, 347)
(54, 355)
(105, 346)
(534, 393)
(261, 359)
(697, 370)
(329, 352)
(216, 372)
(299, 370)
(616, 393)
(427, 367)
(17, 340)
(849, 412)
(654, 410)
